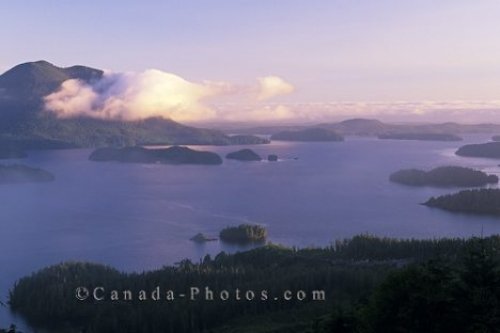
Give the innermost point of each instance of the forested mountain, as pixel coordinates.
(24, 123)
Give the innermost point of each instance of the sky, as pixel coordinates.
(393, 59)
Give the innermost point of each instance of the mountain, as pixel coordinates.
(318, 134)
(357, 126)
(373, 127)
(24, 124)
(23, 87)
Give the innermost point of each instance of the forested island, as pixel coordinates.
(308, 135)
(443, 176)
(244, 155)
(360, 285)
(244, 233)
(172, 155)
(482, 201)
(272, 158)
(421, 136)
(11, 152)
(201, 238)
(12, 174)
(488, 150)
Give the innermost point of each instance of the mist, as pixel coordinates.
(154, 93)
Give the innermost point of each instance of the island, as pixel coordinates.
(482, 201)
(316, 134)
(488, 150)
(244, 155)
(272, 158)
(244, 233)
(420, 136)
(201, 238)
(9, 152)
(172, 155)
(496, 138)
(13, 174)
(248, 140)
(443, 176)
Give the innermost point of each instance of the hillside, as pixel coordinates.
(24, 124)
(308, 135)
(372, 127)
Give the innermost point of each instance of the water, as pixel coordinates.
(140, 217)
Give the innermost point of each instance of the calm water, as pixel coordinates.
(140, 217)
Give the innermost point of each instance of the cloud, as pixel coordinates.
(399, 111)
(132, 96)
(272, 86)
(74, 98)
(154, 93)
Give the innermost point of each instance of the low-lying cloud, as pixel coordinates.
(154, 93)
(272, 86)
(131, 96)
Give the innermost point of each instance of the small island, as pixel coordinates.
(244, 233)
(272, 158)
(201, 238)
(488, 150)
(317, 134)
(248, 140)
(443, 176)
(420, 136)
(496, 138)
(14, 174)
(10, 152)
(172, 155)
(483, 201)
(244, 155)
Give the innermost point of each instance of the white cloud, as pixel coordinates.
(153, 93)
(132, 96)
(272, 86)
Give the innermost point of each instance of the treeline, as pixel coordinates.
(244, 233)
(348, 271)
(11, 329)
(42, 131)
(483, 201)
(461, 295)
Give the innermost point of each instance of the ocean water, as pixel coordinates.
(140, 217)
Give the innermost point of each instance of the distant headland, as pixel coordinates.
(13, 174)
